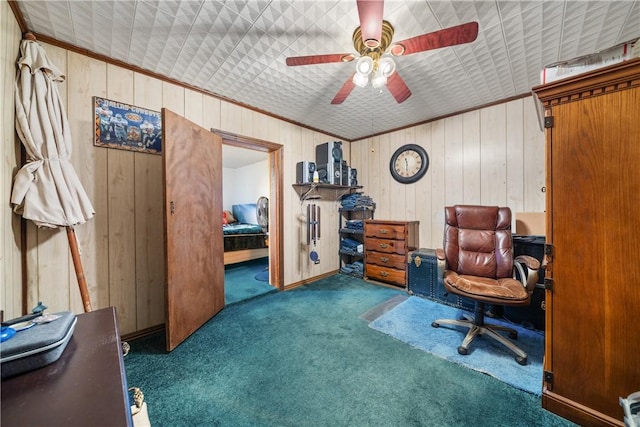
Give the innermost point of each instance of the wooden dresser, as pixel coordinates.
(593, 243)
(387, 245)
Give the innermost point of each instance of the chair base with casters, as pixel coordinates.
(477, 327)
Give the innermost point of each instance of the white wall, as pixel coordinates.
(245, 184)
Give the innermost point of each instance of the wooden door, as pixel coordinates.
(194, 247)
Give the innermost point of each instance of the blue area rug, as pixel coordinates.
(262, 276)
(410, 322)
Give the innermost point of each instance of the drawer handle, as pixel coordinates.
(384, 259)
(383, 231)
(384, 273)
(384, 245)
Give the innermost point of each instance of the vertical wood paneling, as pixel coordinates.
(515, 157)
(369, 174)
(86, 78)
(454, 157)
(149, 214)
(193, 106)
(121, 204)
(231, 117)
(383, 209)
(423, 189)
(438, 180)
(493, 161)
(290, 137)
(534, 160)
(173, 97)
(471, 168)
(10, 247)
(211, 113)
(487, 156)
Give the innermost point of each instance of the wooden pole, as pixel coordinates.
(77, 264)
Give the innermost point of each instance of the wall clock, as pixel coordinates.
(409, 163)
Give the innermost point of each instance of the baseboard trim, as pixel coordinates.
(575, 412)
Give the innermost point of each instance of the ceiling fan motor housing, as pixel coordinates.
(376, 52)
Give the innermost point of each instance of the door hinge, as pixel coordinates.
(548, 284)
(548, 122)
(548, 377)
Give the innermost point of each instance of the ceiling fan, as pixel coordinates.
(373, 41)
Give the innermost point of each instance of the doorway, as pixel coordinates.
(273, 153)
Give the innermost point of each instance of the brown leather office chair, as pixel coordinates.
(477, 262)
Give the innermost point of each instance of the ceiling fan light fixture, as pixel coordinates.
(378, 80)
(364, 66)
(386, 66)
(360, 80)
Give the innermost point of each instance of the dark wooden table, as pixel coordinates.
(87, 386)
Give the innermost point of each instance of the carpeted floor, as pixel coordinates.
(245, 280)
(306, 358)
(410, 322)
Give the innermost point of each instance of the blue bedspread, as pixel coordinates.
(238, 228)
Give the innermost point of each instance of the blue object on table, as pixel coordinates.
(7, 333)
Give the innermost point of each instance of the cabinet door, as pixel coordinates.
(592, 346)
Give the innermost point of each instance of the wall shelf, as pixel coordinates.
(318, 190)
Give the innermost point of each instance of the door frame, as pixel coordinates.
(275, 154)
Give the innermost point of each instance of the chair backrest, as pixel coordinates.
(478, 241)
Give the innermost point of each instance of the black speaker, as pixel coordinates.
(329, 152)
(304, 172)
(330, 173)
(353, 177)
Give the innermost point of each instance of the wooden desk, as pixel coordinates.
(87, 386)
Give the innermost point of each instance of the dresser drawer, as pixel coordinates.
(386, 245)
(387, 260)
(385, 274)
(385, 231)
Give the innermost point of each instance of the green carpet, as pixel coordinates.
(306, 358)
(241, 280)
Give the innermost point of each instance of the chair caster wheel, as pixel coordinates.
(513, 335)
(435, 324)
(521, 360)
(462, 351)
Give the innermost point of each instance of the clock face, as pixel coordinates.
(409, 163)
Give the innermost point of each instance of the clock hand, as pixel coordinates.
(406, 164)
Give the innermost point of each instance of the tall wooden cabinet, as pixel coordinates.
(592, 347)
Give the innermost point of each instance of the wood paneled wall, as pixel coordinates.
(10, 238)
(493, 155)
(122, 246)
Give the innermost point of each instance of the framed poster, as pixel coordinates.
(126, 127)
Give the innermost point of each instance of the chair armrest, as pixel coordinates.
(530, 278)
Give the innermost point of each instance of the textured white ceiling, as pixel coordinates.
(237, 49)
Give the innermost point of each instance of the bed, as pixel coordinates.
(244, 239)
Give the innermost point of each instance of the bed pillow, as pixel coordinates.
(245, 213)
(228, 218)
